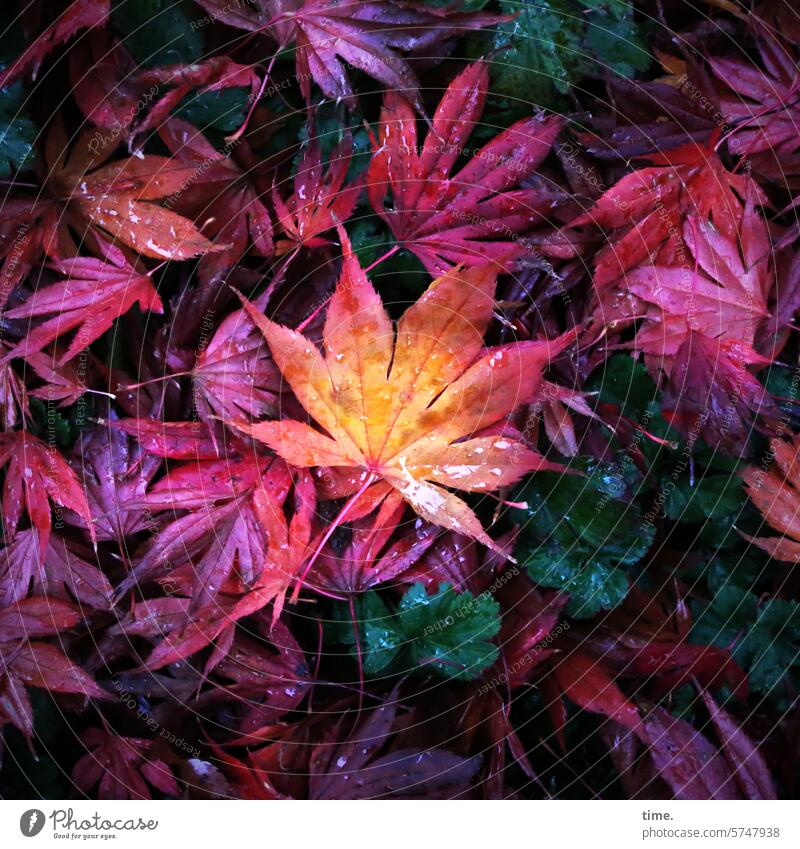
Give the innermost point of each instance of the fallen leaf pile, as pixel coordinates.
(399, 399)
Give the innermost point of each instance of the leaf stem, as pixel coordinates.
(380, 259)
(157, 380)
(240, 132)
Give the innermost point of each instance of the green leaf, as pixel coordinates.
(17, 130)
(551, 44)
(49, 423)
(742, 571)
(613, 39)
(711, 497)
(448, 632)
(159, 32)
(765, 638)
(222, 110)
(577, 535)
(543, 51)
(382, 642)
(625, 382)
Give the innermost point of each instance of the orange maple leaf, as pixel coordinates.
(776, 493)
(401, 406)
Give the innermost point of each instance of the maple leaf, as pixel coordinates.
(319, 201)
(61, 573)
(213, 74)
(724, 296)
(175, 440)
(659, 115)
(122, 767)
(329, 35)
(396, 407)
(234, 376)
(13, 397)
(470, 217)
(95, 201)
(115, 472)
(95, 294)
(116, 94)
(267, 680)
(220, 193)
(79, 15)
(586, 681)
(454, 559)
(28, 662)
(117, 198)
(37, 472)
(642, 215)
(776, 494)
(220, 534)
(745, 761)
(489, 730)
(529, 618)
(703, 311)
(762, 106)
(103, 74)
(712, 392)
(65, 382)
(235, 541)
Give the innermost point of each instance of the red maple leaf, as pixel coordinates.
(175, 440)
(83, 197)
(266, 672)
(13, 395)
(776, 493)
(60, 573)
(222, 194)
(695, 768)
(372, 556)
(320, 200)
(362, 765)
(79, 15)
(585, 680)
(115, 472)
(642, 216)
(36, 473)
(762, 106)
(95, 294)
(472, 217)
(235, 539)
(700, 323)
(28, 662)
(118, 95)
(234, 376)
(213, 545)
(454, 559)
